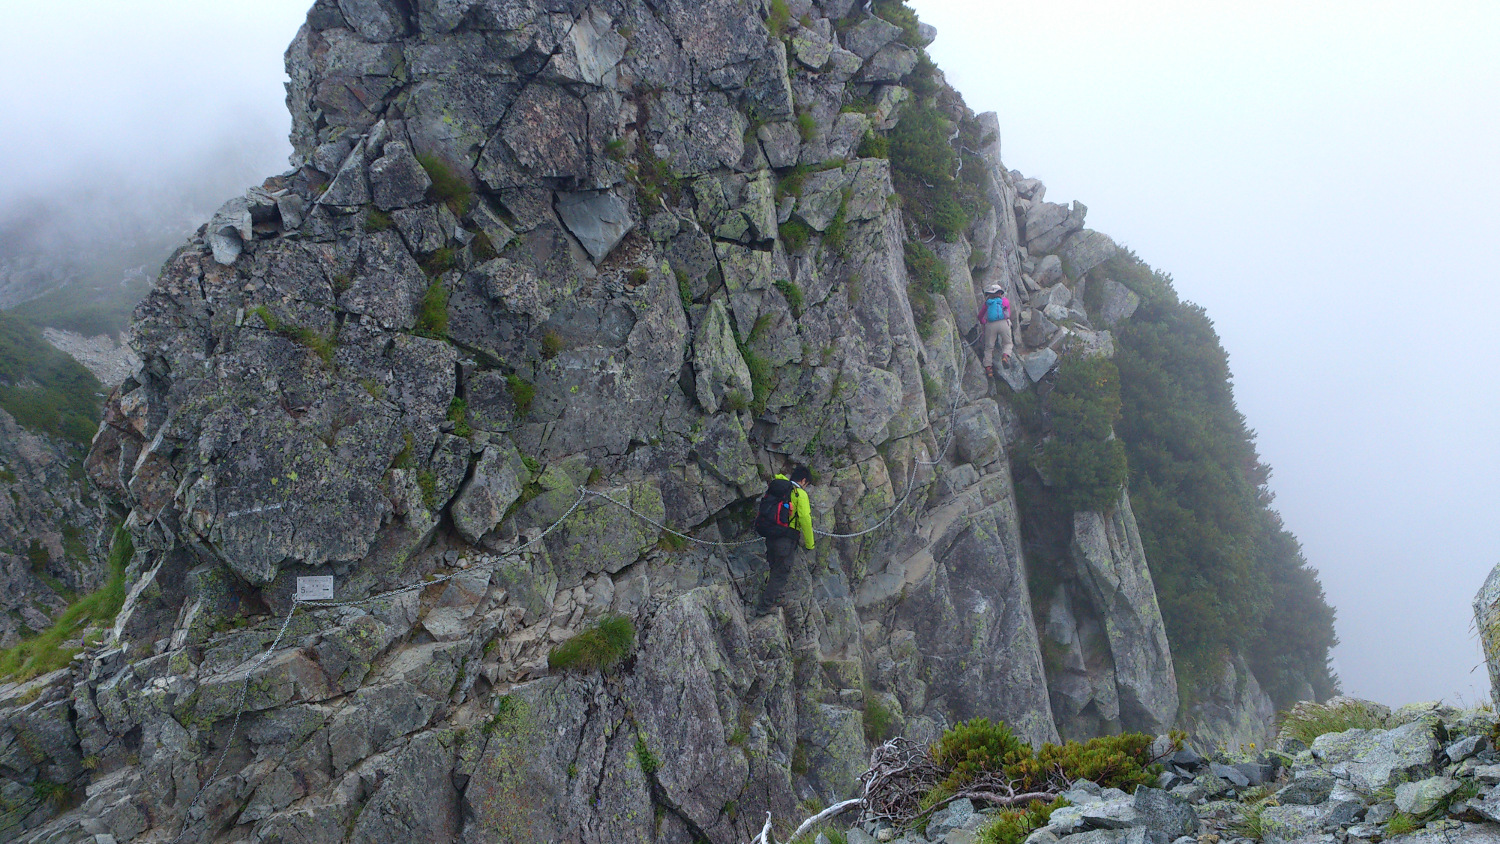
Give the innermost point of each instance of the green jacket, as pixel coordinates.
(801, 513)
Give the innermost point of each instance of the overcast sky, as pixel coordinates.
(1321, 175)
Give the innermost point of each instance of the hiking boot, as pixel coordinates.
(1005, 360)
(989, 371)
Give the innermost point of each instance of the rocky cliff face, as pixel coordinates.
(49, 531)
(550, 275)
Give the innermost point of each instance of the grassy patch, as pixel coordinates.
(795, 234)
(791, 182)
(684, 289)
(458, 414)
(602, 646)
(432, 314)
(322, 345)
(522, 392)
(552, 345)
(48, 651)
(427, 483)
(780, 16)
(874, 145)
(925, 268)
(836, 235)
(45, 389)
(447, 186)
(807, 126)
(879, 720)
(643, 756)
(793, 294)
(377, 221)
(1308, 723)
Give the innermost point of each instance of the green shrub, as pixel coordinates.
(976, 747)
(874, 145)
(458, 414)
(1013, 826)
(552, 345)
(602, 646)
(432, 314)
(925, 268)
(879, 720)
(791, 182)
(522, 392)
(1085, 465)
(779, 17)
(615, 149)
(643, 755)
(793, 294)
(377, 220)
(760, 378)
(807, 126)
(1251, 823)
(898, 13)
(654, 182)
(50, 650)
(794, 235)
(684, 289)
(837, 233)
(448, 187)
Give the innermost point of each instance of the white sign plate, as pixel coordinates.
(315, 588)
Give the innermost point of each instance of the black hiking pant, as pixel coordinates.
(780, 553)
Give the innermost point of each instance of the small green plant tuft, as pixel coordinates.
(793, 294)
(322, 345)
(447, 186)
(427, 483)
(458, 414)
(879, 720)
(643, 755)
(377, 221)
(925, 268)
(602, 646)
(1306, 723)
(552, 344)
(1400, 824)
(795, 234)
(837, 233)
(482, 249)
(807, 126)
(615, 149)
(639, 276)
(874, 145)
(791, 182)
(1013, 826)
(780, 16)
(522, 392)
(684, 289)
(432, 314)
(439, 261)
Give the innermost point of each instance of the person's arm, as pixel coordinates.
(802, 512)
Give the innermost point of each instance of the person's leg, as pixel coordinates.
(991, 331)
(779, 550)
(1007, 344)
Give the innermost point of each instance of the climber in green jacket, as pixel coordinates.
(784, 517)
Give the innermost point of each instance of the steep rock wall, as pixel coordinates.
(530, 295)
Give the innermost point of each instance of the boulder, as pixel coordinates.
(721, 372)
(1085, 250)
(1038, 363)
(1163, 814)
(1282, 824)
(1048, 224)
(1119, 302)
(869, 36)
(397, 179)
(1049, 271)
(1487, 621)
(1419, 798)
(1374, 758)
(1306, 791)
(495, 485)
(977, 436)
(599, 219)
